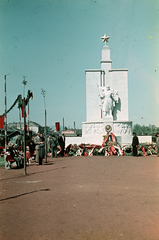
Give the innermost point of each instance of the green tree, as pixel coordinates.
(145, 130)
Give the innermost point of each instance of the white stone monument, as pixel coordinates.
(106, 102)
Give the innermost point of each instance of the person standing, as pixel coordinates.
(42, 138)
(48, 145)
(37, 142)
(41, 149)
(157, 143)
(32, 147)
(18, 141)
(62, 144)
(135, 143)
(53, 146)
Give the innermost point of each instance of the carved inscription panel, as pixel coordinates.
(118, 129)
(122, 129)
(93, 128)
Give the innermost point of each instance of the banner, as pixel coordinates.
(2, 122)
(19, 99)
(20, 103)
(22, 109)
(57, 126)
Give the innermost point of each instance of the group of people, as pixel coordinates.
(14, 153)
(35, 148)
(56, 145)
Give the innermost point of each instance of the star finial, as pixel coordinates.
(105, 38)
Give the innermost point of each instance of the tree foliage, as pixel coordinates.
(145, 130)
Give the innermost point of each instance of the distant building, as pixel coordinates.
(72, 133)
(33, 126)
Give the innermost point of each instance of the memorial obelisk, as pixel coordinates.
(106, 101)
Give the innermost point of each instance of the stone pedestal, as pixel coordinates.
(94, 132)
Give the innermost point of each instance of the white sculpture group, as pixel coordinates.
(108, 99)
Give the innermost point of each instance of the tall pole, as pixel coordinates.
(24, 138)
(20, 127)
(28, 117)
(43, 92)
(63, 125)
(45, 140)
(25, 83)
(5, 112)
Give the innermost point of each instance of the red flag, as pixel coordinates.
(57, 126)
(2, 122)
(22, 108)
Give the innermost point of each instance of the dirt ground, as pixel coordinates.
(82, 198)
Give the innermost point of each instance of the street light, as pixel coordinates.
(25, 83)
(43, 92)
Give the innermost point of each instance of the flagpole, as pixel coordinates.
(24, 105)
(24, 137)
(20, 126)
(5, 112)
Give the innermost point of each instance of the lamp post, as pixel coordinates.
(25, 83)
(43, 92)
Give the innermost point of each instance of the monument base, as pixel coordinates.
(94, 132)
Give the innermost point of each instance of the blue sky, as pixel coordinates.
(52, 43)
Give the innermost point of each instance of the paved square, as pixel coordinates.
(80, 198)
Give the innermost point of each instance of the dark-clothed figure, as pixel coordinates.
(53, 146)
(41, 149)
(135, 143)
(48, 145)
(157, 143)
(2, 141)
(62, 144)
(18, 141)
(37, 142)
(42, 138)
(27, 140)
(32, 147)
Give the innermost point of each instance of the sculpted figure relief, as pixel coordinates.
(94, 128)
(121, 128)
(108, 99)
